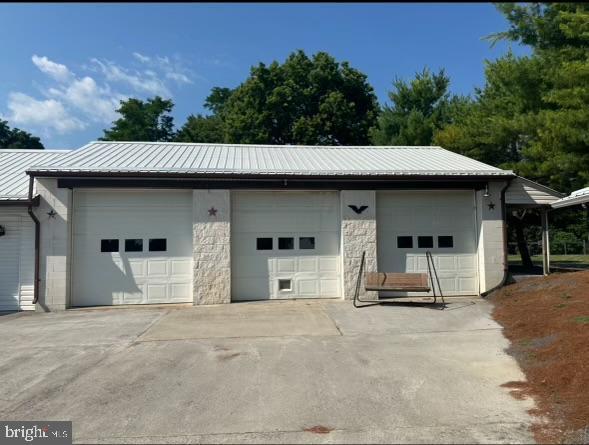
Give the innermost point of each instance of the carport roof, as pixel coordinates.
(577, 197)
(14, 183)
(183, 159)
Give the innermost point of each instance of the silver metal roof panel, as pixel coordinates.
(226, 159)
(14, 183)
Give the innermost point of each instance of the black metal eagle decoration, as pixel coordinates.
(357, 209)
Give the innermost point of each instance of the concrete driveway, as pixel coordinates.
(303, 371)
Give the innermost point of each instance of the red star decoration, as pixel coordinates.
(213, 211)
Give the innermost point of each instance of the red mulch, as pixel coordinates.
(547, 321)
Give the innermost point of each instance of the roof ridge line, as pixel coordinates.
(224, 144)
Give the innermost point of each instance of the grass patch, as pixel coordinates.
(582, 320)
(580, 260)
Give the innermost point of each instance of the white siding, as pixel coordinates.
(27, 263)
(523, 191)
(491, 237)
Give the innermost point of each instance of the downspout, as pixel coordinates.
(37, 237)
(505, 258)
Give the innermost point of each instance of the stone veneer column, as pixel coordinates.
(358, 235)
(211, 238)
(54, 262)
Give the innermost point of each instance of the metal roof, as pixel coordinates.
(14, 183)
(182, 159)
(577, 197)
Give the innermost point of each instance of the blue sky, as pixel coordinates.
(65, 67)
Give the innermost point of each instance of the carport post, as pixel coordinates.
(545, 242)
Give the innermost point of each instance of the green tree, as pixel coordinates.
(142, 121)
(200, 128)
(498, 124)
(15, 138)
(418, 109)
(305, 100)
(532, 114)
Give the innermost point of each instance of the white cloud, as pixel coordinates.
(56, 70)
(141, 57)
(42, 114)
(178, 77)
(85, 95)
(149, 84)
(70, 102)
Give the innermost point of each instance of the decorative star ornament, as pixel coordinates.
(491, 205)
(213, 211)
(52, 213)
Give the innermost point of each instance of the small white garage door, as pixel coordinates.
(9, 263)
(285, 245)
(409, 223)
(16, 262)
(132, 247)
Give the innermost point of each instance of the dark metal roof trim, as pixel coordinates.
(233, 176)
(276, 184)
(17, 202)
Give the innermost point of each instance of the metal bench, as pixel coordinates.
(401, 282)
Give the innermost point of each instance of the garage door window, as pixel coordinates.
(404, 242)
(133, 245)
(284, 285)
(264, 244)
(306, 242)
(109, 245)
(445, 241)
(425, 242)
(285, 243)
(157, 245)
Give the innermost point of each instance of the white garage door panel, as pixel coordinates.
(10, 245)
(102, 278)
(314, 273)
(430, 213)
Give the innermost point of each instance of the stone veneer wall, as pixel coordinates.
(358, 235)
(211, 238)
(54, 264)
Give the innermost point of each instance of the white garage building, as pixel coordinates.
(141, 223)
(17, 228)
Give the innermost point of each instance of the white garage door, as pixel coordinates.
(409, 223)
(285, 245)
(10, 263)
(132, 247)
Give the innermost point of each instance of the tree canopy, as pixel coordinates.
(148, 120)
(532, 114)
(418, 108)
(15, 138)
(305, 100)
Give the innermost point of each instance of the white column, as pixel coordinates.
(545, 242)
(54, 249)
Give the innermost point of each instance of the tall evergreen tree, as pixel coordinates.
(418, 108)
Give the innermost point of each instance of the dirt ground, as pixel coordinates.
(547, 321)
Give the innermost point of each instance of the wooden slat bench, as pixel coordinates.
(399, 282)
(406, 282)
